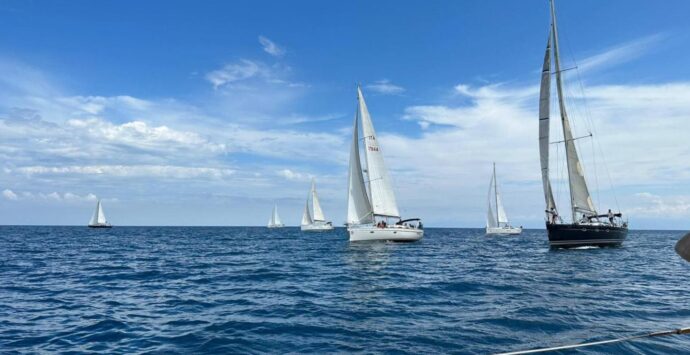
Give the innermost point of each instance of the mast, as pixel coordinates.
(498, 221)
(580, 199)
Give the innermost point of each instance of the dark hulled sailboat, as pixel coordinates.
(588, 228)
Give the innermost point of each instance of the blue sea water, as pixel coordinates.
(254, 290)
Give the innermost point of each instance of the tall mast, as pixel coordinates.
(561, 103)
(498, 221)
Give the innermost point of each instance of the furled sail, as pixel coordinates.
(579, 193)
(380, 188)
(358, 206)
(318, 213)
(544, 127)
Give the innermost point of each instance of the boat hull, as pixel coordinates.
(275, 226)
(393, 234)
(579, 235)
(100, 226)
(316, 228)
(504, 231)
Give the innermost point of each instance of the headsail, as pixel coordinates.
(380, 188)
(579, 193)
(358, 206)
(275, 218)
(318, 213)
(544, 126)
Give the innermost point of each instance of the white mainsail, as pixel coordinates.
(306, 216)
(98, 215)
(358, 206)
(500, 218)
(544, 127)
(580, 198)
(490, 217)
(316, 206)
(380, 188)
(275, 219)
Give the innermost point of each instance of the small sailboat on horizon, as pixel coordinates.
(371, 204)
(314, 220)
(98, 219)
(274, 221)
(497, 223)
(587, 227)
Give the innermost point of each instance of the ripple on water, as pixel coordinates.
(250, 290)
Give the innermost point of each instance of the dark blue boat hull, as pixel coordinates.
(577, 235)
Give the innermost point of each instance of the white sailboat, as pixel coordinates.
(371, 204)
(314, 220)
(98, 219)
(274, 221)
(497, 221)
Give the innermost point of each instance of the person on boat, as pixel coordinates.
(611, 216)
(420, 226)
(554, 215)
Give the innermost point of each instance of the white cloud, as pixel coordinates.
(385, 87)
(9, 194)
(294, 176)
(649, 204)
(270, 47)
(179, 172)
(244, 69)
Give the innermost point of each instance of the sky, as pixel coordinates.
(208, 113)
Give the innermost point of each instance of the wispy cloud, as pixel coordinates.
(9, 194)
(620, 53)
(232, 72)
(271, 47)
(385, 87)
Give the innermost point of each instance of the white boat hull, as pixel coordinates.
(390, 233)
(276, 226)
(316, 227)
(503, 231)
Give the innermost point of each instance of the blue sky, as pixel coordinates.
(188, 113)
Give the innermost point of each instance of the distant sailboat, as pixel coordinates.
(497, 223)
(369, 211)
(587, 226)
(275, 222)
(314, 220)
(98, 219)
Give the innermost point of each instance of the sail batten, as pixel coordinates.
(580, 198)
(381, 194)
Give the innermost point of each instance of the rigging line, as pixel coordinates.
(570, 140)
(678, 331)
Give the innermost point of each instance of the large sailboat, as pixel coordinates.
(587, 227)
(274, 221)
(372, 211)
(98, 219)
(496, 219)
(314, 220)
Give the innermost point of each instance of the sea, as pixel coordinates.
(195, 290)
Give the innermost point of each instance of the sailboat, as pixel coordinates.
(274, 221)
(98, 219)
(314, 220)
(587, 227)
(372, 210)
(497, 223)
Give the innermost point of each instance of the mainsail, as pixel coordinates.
(579, 193)
(358, 206)
(318, 213)
(306, 216)
(544, 117)
(98, 215)
(380, 189)
(275, 219)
